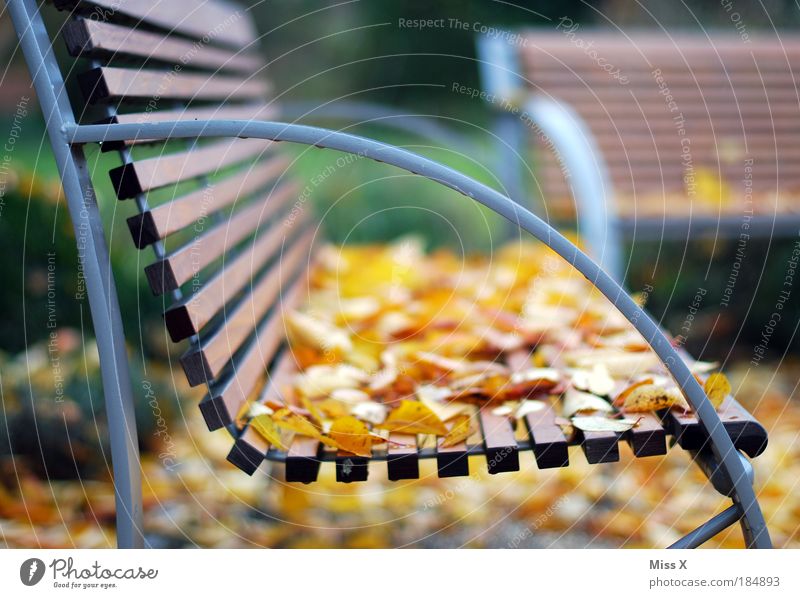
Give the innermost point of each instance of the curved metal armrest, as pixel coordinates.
(721, 443)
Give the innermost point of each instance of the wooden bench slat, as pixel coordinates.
(251, 111)
(452, 461)
(600, 447)
(212, 354)
(114, 84)
(402, 462)
(226, 395)
(747, 433)
(138, 177)
(549, 444)
(303, 460)
(211, 20)
(351, 468)
(499, 440)
(88, 38)
(187, 317)
(180, 265)
(248, 451)
(648, 438)
(158, 223)
(250, 448)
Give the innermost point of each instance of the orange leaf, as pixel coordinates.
(352, 435)
(413, 417)
(461, 429)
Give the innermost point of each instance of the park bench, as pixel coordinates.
(227, 281)
(688, 135)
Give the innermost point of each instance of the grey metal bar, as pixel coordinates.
(710, 528)
(717, 475)
(93, 255)
(721, 444)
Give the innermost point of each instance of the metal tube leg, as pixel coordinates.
(93, 255)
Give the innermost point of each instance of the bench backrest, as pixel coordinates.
(675, 116)
(230, 243)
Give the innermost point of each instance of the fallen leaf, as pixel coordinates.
(717, 387)
(312, 332)
(531, 406)
(620, 400)
(353, 435)
(414, 417)
(576, 401)
(461, 429)
(596, 381)
(267, 429)
(598, 423)
(649, 397)
(369, 411)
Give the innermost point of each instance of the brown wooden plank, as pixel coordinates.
(250, 111)
(114, 84)
(303, 460)
(226, 395)
(351, 468)
(747, 433)
(88, 38)
(248, 451)
(499, 441)
(403, 459)
(137, 177)
(160, 222)
(550, 445)
(209, 21)
(180, 265)
(208, 358)
(187, 317)
(648, 437)
(452, 461)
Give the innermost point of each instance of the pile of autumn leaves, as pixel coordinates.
(393, 341)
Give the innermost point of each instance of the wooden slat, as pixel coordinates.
(747, 433)
(160, 222)
(114, 84)
(403, 460)
(351, 468)
(600, 447)
(209, 357)
(250, 448)
(248, 451)
(137, 177)
(180, 265)
(226, 396)
(302, 460)
(648, 438)
(212, 20)
(500, 444)
(88, 38)
(452, 461)
(187, 317)
(251, 111)
(549, 444)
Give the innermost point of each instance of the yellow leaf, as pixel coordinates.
(413, 417)
(289, 420)
(352, 435)
(649, 397)
(461, 429)
(717, 388)
(264, 425)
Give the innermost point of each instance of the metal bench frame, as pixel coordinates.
(728, 470)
